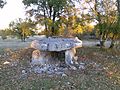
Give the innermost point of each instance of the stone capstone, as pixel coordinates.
(56, 44)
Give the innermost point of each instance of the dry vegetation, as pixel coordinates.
(101, 72)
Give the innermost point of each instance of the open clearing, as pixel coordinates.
(17, 44)
(101, 72)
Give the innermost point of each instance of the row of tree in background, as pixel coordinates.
(19, 28)
(69, 18)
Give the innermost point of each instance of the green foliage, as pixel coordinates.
(4, 37)
(6, 32)
(47, 12)
(60, 17)
(105, 17)
(23, 28)
(104, 13)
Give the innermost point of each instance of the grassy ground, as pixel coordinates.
(105, 77)
(13, 43)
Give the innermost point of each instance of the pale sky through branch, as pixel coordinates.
(14, 9)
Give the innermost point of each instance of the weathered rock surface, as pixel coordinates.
(46, 48)
(56, 44)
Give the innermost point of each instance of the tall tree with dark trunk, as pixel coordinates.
(47, 10)
(106, 16)
(115, 30)
(118, 7)
(104, 13)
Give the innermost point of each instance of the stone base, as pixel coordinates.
(45, 57)
(70, 58)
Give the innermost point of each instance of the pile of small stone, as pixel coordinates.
(49, 69)
(57, 69)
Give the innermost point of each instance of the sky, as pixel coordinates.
(14, 9)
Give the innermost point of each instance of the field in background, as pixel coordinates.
(17, 44)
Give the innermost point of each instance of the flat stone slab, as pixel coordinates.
(56, 44)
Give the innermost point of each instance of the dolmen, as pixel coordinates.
(53, 48)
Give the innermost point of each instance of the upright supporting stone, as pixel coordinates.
(37, 58)
(70, 58)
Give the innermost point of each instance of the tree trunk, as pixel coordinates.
(21, 37)
(112, 44)
(118, 6)
(53, 26)
(46, 29)
(50, 12)
(66, 30)
(24, 36)
(102, 43)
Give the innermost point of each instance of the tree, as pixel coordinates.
(47, 10)
(115, 29)
(104, 12)
(6, 32)
(118, 7)
(23, 28)
(3, 34)
(114, 34)
(2, 3)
